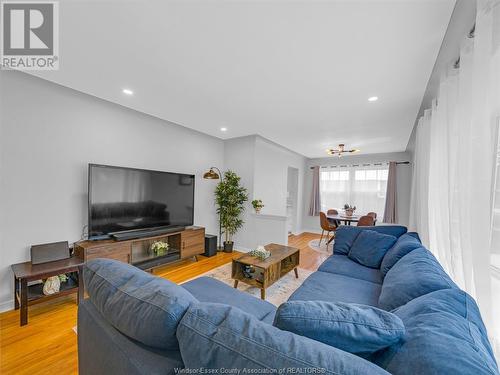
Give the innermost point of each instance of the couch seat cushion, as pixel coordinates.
(142, 306)
(342, 265)
(369, 248)
(406, 243)
(207, 289)
(352, 327)
(216, 336)
(346, 234)
(330, 287)
(444, 335)
(416, 274)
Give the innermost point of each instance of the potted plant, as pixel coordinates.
(349, 210)
(159, 248)
(257, 205)
(230, 197)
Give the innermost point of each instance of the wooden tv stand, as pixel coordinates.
(183, 244)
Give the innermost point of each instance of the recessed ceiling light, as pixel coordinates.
(128, 92)
(373, 98)
(223, 129)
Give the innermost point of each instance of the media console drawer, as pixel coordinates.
(120, 252)
(192, 242)
(111, 250)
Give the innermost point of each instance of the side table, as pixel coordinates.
(25, 295)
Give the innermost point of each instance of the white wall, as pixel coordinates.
(263, 168)
(271, 175)
(48, 136)
(239, 158)
(403, 182)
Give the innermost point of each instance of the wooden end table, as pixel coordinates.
(263, 273)
(25, 295)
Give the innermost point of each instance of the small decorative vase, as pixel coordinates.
(349, 212)
(257, 210)
(51, 285)
(158, 248)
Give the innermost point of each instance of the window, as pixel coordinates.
(363, 187)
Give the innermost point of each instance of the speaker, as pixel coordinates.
(49, 252)
(210, 245)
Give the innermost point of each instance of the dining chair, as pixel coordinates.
(366, 221)
(326, 226)
(372, 214)
(333, 211)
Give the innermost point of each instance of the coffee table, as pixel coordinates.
(264, 273)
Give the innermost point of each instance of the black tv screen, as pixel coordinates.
(125, 199)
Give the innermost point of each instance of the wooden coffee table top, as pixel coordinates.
(278, 253)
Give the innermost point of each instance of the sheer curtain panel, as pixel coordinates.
(453, 177)
(363, 187)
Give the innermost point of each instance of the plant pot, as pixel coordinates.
(228, 246)
(349, 212)
(257, 210)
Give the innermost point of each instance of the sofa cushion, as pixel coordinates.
(143, 307)
(346, 234)
(354, 328)
(324, 286)
(403, 246)
(444, 335)
(342, 265)
(416, 274)
(216, 336)
(103, 350)
(207, 289)
(369, 248)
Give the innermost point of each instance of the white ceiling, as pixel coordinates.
(296, 72)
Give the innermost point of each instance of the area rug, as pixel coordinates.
(323, 248)
(276, 294)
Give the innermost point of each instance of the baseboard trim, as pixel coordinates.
(6, 306)
(314, 231)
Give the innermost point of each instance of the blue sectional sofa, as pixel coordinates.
(135, 323)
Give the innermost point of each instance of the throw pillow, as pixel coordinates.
(359, 329)
(403, 246)
(370, 247)
(416, 274)
(346, 234)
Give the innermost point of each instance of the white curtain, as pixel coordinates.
(453, 189)
(363, 187)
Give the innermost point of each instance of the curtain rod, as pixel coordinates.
(360, 164)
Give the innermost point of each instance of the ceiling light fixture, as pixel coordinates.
(128, 92)
(341, 150)
(223, 129)
(373, 98)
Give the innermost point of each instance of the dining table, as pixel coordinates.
(344, 218)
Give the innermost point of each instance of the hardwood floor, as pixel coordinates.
(48, 344)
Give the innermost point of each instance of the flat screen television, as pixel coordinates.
(128, 199)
